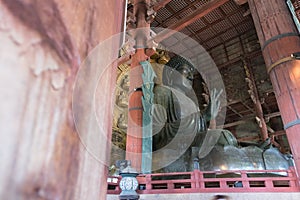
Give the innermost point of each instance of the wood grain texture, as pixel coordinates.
(42, 45)
(278, 36)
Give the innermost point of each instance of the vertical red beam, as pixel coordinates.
(135, 112)
(279, 39)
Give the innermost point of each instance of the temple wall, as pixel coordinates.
(42, 46)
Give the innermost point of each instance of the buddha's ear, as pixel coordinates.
(167, 75)
(171, 71)
(172, 74)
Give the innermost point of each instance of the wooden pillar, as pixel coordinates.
(279, 39)
(43, 44)
(135, 112)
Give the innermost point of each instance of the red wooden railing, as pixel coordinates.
(213, 181)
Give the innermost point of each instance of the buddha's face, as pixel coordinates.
(187, 76)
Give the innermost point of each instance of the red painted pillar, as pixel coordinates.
(279, 39)
(135, 112)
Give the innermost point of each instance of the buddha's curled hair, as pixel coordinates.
(177, 61)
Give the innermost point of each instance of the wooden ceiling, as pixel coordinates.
(226, 30)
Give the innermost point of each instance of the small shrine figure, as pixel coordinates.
(122, 99)
(122, 124)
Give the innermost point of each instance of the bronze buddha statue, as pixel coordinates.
(178, 123)
(180, 129)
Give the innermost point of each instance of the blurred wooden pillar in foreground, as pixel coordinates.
(42, 46)
(279, 39)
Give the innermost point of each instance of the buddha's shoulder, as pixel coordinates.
(162, 90)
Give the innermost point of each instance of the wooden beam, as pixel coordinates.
(205, 9)
(255, 98)
(238, 59)
(251, 138)
(160, 4)
(229, 103)
(236, 112)
(233, 124)
(278, 133)
(176, 13)
(240, 2)
(271, 115)
(244, 104)
(246, 119)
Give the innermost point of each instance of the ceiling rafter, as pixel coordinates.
(248, 107)
(230, 22)
(228, 39)
(182, 23)
(224, 31)
(207, 8)
(160, 4)
(174, 15)
(236, 112)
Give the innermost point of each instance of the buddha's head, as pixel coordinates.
(179, 73)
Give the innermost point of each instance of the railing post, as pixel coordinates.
(148, 182)
(193, 179)
(170, 185)
(245, 180)
(223, 184)
(196, 179)
(292, 174)
(269, 184)
(201, 179)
